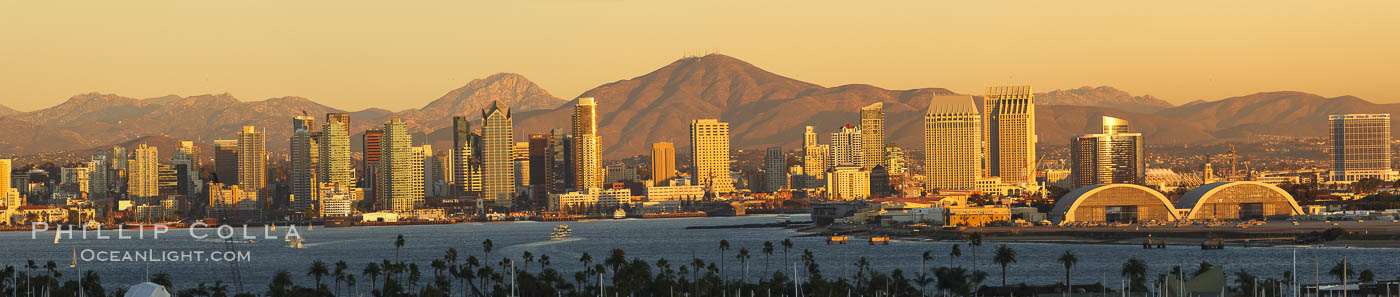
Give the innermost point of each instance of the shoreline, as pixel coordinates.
(1276, 234)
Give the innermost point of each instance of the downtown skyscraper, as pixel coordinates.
(709, 155)
(952, 143)
(1360, 146)
(847, 148)
(143, 174)
(226, 161)
(872, 135)
(587, 145)
(498, 161)
(400, 170)
(1111, 157)
(774, 170)
(1008, 116)
(302, 175)
(252, 163)
(466, 171)
(663, 162)
(334, 164)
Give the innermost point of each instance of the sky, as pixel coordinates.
(403, 54)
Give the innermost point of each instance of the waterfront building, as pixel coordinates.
(143, 174)
(952, 144)
(618, 172)
(11, 197)
(333, 164)
(304, 152)
(674, 190)
(520, 159)
(1111, 157)
(231, 201)
(587, 145)
(429, 175)
(1360, 146)
(100, 166)
(1238, 200)
(872, 135)
(1008, 116)
(663, 161)
(372, 148)
(593, 199)
(400, 182)
(709, 155)
(846, 146)
(560, 174)
(497, 145)
(847, 182)
(1113, 203)
(775, 170)
(75, 180)
(252, 164)
(226, 161)
(539, 165)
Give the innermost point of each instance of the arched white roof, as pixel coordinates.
(1193, 199)
(1065, 206)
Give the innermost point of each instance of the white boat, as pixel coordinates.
(560, 232)
(619, 214)
(783, 218)
(296, 243)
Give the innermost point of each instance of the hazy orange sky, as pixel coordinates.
(403, 54)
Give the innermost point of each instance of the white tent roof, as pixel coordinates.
(147, 289)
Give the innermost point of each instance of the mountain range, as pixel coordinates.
(763, 109)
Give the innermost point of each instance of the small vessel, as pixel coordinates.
(75, 259)
(784, 218)
(55, 237)
(619, 214)
(296, 243)
(92, 225)
(560, 232)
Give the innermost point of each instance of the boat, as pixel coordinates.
(55, 237)
(619, 214)
(92, 225)
(296, 243)
(75, 259)
(784, 218)
(560, 232)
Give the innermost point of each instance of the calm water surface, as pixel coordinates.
(650, 240)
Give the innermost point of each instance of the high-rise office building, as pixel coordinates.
(1360, 145)
(497, 145)
(872, 135)
(466, 171)
(97, 176)
(185, 161)
(709, 155)
(539, 167)
(587, 154)
(848, 182)
(952, 143)
(399, 185)
(226, 161)
(143, 174)
(9, 196)
(847, 147)
(1111, 157)
(372, 146)
(252, 164)
(560, 158)
(663, 162)
(520, 158)
(809, 137)
(775, 170)
(1008, 116)
(895, 161)
(333, 164)
(304, 153)
(815, 160)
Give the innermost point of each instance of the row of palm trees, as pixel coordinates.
(617, 275)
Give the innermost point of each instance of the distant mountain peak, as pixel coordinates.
(1103, 96)
(512, 89)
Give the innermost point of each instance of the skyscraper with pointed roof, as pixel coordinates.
(497, 145)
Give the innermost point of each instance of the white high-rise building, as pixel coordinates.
(302, 176)
(872, 135)
(252, 163)
(588, 161)
(1111, 157)
(709, 155)
(333, 158)
(1360, 145)
(400, 185)
(143, 173)
(847, 146)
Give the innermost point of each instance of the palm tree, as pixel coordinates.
(974, 240)
(318, 270)
(922, 278)
(1136, 271)
(723, 246)
(956, 252)
(398, 244)
(1068, 259)
(1005, 256)
(350, 282)
(486, 246)
(544, 261)
(585, 259)
(53, 269)
(928, 255)
(1342, 271)
(743, 257)
(339, 274)
(528, 258)
(372, 271)
(767, 252)
(787, 245)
